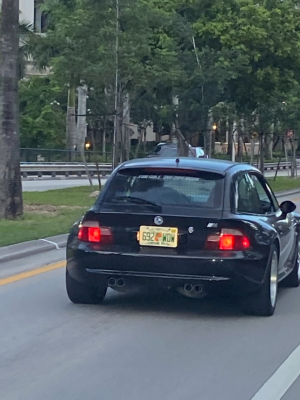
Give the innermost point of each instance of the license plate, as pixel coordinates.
(158, 236)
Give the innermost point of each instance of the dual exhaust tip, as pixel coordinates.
(116, 282)
(112, 282)
(190, 288)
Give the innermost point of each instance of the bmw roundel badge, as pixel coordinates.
(158, 220)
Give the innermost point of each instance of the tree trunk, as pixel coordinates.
(139, 142)
(182, 145)
(268, 146)
(11, 204)
(71, 124)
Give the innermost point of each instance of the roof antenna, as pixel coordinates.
(177, 161)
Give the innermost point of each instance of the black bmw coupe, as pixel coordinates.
(187, 224)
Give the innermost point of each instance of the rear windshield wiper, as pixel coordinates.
(136, 200)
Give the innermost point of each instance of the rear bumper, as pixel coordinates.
(239, 272)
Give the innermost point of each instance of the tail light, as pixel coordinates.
(228, 239)
(92, 232)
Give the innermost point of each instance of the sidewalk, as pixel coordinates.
(25, 249)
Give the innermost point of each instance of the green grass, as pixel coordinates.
(53, 212)
(283, 183)
(44, 220)
(77, 196)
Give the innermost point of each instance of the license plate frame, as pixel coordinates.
(154, 236)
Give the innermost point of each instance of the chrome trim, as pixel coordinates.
(213, 258)
(156, 275)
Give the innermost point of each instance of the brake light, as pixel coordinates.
(226, 242)
(228, 239)
(93, 233)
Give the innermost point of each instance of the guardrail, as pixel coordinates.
(282, 166)
(61, 168)
(73, 168)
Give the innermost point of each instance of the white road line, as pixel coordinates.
(49, 241)
(282, 380)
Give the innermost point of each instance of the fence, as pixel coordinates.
(58, 155)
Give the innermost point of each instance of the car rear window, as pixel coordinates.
(196, 188)
(168, 152)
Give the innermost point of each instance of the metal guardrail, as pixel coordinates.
(65, 169)
(282, 166)
(73, 168)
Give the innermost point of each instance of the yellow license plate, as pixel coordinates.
(158, 236)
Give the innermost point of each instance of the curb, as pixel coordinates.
(32, 247)
(287, 193)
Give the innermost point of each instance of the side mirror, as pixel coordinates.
(287, 207)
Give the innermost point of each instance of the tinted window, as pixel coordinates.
(247, 196)
(168, 189)
(265, 200)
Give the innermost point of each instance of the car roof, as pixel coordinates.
(206, 164)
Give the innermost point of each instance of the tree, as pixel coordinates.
(11, 204)
(241, 53)
(42, 113)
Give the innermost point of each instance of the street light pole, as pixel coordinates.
(115, 137)
(214, 128)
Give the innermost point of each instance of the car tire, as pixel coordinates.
(292, 280)
(83, 294)
(263, 302)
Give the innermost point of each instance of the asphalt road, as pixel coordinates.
(139, 346)
(43, 184)
(47, 183)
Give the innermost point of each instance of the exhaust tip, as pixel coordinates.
(187, 287)
(111, 281)
(198, 289)
(120, 282)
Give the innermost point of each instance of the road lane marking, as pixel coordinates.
(282, 379)
(34, 272)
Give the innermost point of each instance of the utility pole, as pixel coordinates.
(115, 137)
(126, 127)
(81, 118)
(262, 153)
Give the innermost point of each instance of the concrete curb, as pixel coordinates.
(288, 193)
(32, 247)
(26, 249)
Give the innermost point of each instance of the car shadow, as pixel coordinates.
(167, 302)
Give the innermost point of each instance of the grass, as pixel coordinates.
(77, 196)
(53, 212)
(46, 214)
(283, 183)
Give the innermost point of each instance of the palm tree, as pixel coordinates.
(11, 204)
(25, 34)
